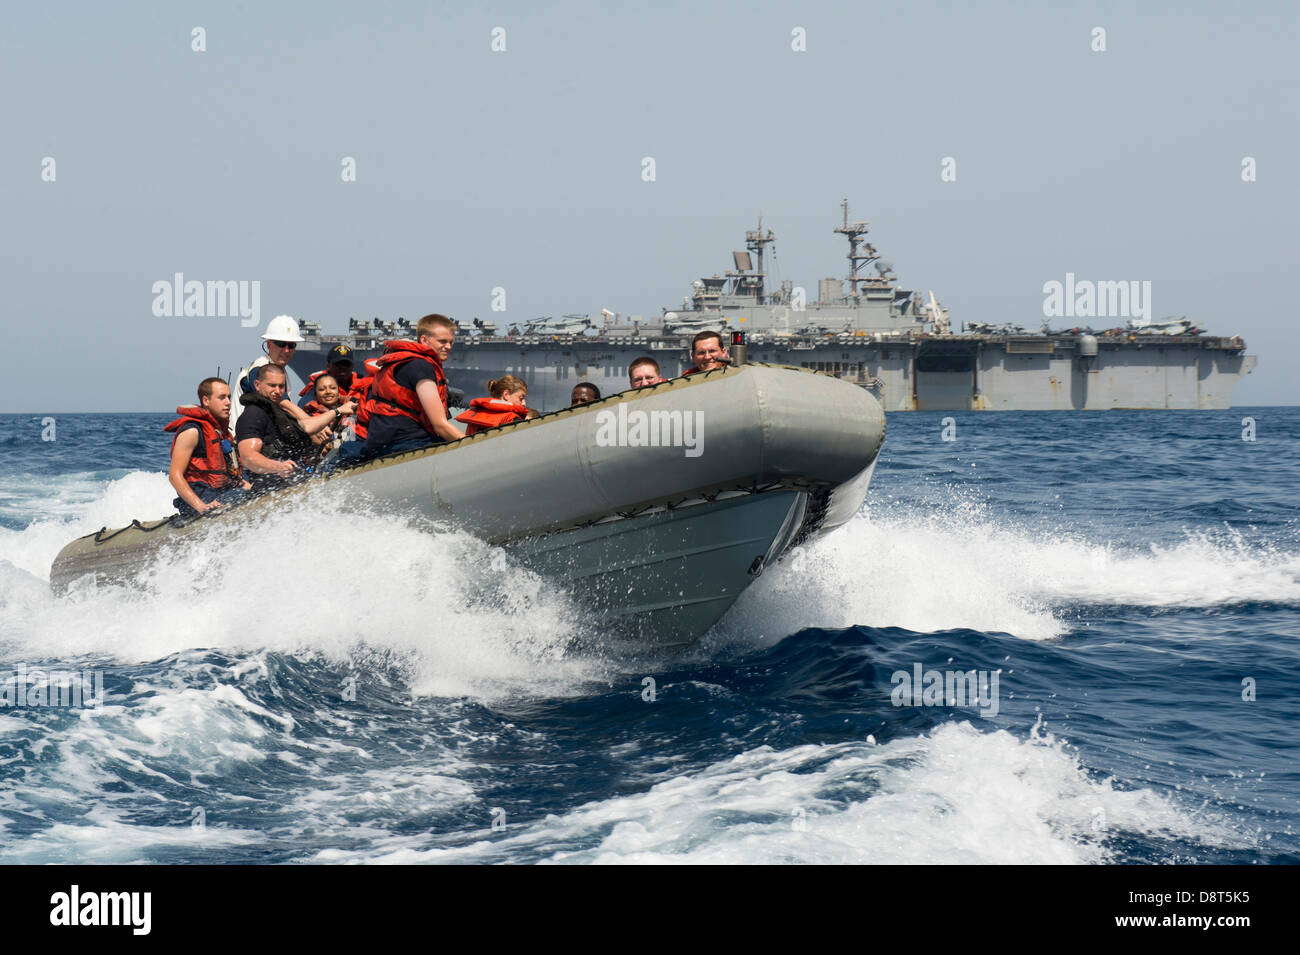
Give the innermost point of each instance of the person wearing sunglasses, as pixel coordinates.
(279, 341)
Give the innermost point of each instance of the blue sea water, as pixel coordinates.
(329, 688)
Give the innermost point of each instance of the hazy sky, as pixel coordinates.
(523, 168)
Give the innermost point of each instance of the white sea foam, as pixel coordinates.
(440, 594)
(962, 567)
(169, 775)
(73, 505)
(956, 795)
(309, 577)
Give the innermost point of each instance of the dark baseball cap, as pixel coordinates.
(339, 354)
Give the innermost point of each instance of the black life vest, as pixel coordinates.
(288, 440)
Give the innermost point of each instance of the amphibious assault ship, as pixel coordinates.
(864, 328)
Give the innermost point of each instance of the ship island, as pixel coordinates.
(864, 328)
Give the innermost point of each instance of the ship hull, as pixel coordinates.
(954, 373)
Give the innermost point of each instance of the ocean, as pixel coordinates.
(1046, 638)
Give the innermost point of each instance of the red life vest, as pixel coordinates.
(311, 383)
(487, 413)
(387, 397)
(349, 392)
(209, 464)
(360, 388)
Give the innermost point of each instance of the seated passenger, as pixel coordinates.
(584, 392)
(324, 395)
(338, 365)
(325, 400)
(204, 470)
(644, 371)
(406, 407)
(507, 404)
(708, 352)
(272, 443)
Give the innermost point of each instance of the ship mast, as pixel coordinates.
(857, 258)
(755, 242)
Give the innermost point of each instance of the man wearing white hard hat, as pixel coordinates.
(279, 342)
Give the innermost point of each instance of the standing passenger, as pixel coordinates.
(280, 340)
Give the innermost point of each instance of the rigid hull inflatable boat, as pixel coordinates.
(655, 508)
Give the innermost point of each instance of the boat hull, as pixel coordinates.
(655, 528)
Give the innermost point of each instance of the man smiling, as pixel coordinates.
(708, 353)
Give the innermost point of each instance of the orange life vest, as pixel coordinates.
(349, 392)
(311, 383)
(487, 413)
(387, 397)
(360, 388)
(210, 464)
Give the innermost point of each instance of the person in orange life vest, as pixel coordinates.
(360, 388)
(326, 398)
(644, 371)
(272, 443)
(584, 392)
(708, 353)
(407, 402)
(204, 470)
(338, 365)
(507, 404)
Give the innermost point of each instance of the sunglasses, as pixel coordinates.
(285, 344)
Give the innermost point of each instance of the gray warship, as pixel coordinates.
(864, 329)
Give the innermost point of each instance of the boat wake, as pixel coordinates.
(310, 578)
(963, 567)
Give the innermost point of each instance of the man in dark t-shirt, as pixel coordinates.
(387, 430)
(407, 401)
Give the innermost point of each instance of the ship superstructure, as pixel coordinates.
(864, 328)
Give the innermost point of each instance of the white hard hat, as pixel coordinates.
(283, 328)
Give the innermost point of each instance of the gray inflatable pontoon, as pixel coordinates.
(654, 507)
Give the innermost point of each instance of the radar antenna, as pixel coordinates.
(858, 257)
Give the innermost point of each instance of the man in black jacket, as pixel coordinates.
(273, 445)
